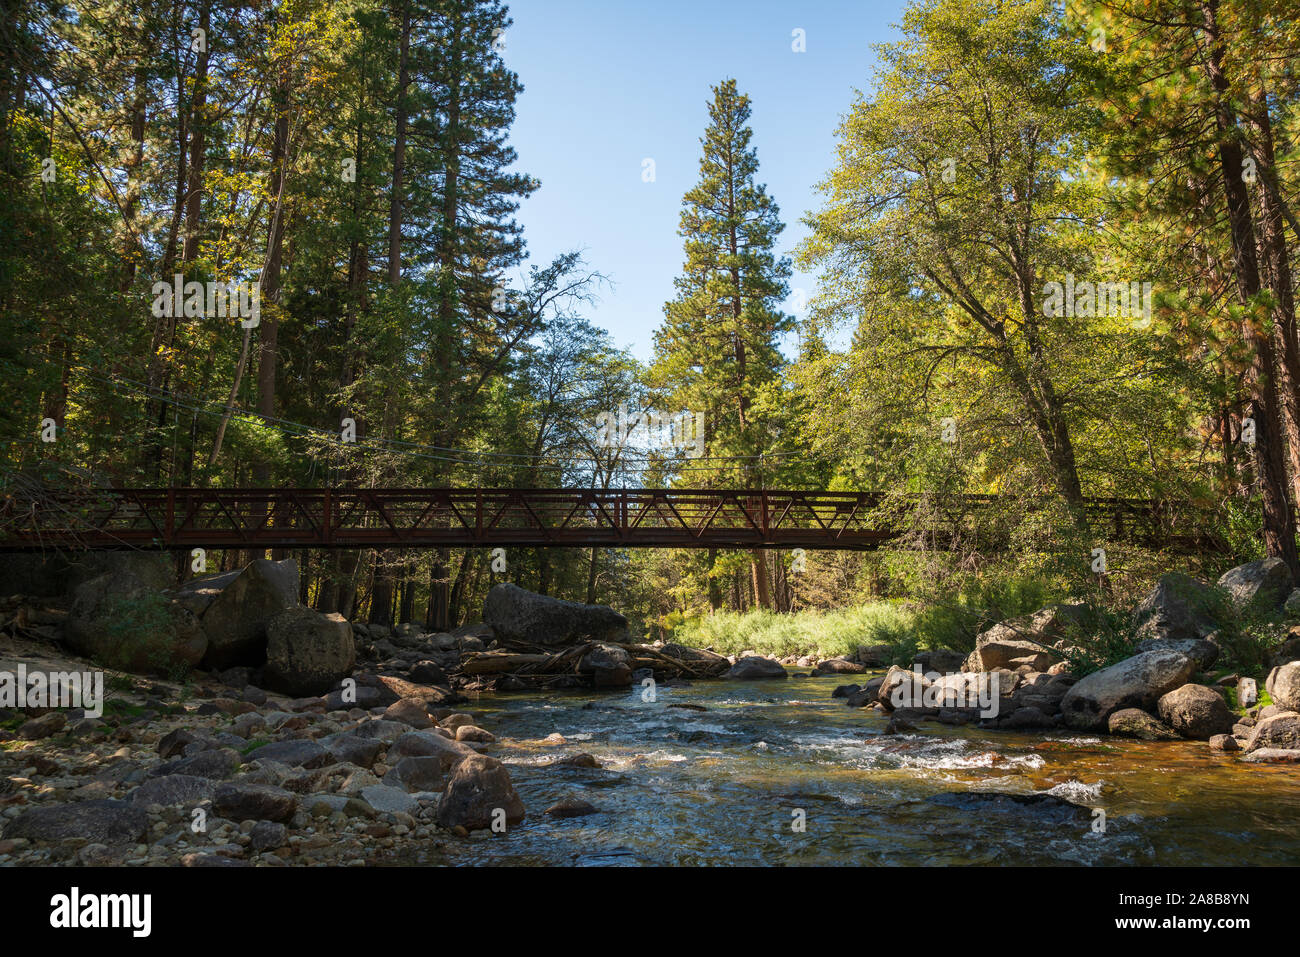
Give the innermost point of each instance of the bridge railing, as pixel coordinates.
(179, 518)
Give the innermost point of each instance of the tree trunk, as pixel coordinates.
(1278, 525)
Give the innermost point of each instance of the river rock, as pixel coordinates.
(121, 621)
(307, 652)
(242, 801)
(1136, 682)
(609, 666)
(238, 608)
(1224, 742)
(45, 726)
(215, 764)
(1281, 730)
(571, 807)
(478, 788)
(754, 667)
(519, 615)
(901, 688)
(843, 691)
(1273, 755)
(1136, 723)
(172, 790)
(418, 774)
(839, 666)
(409, 711)
(1030, 637)
(426, 744)
(1265, 582)
(1195, 712)
(1283, 686)
(97, 822)
(294, 753)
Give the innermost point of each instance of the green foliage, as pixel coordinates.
(139, 634)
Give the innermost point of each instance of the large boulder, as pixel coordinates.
(122, 621)
(519, 615)
(479, 789)
(308, 652)
(1266, 582)
(237, 608)
(1027, 640)
(1178, 609)
(1136, 682)
(1283, 686)
(754, 666)
(1195, 712)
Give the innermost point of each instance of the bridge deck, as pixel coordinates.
(182, 518)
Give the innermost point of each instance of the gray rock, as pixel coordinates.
(1248, 693)
(1032, 636)
(1203, 651)
(1224, 742)
(409, 711)
(236, 617)
(1280, 730)
(1195, 712)
(45, 726)
(1266, 582)
(387, 799)
(1273, 755)
(119, 620)
(308, 652)
(241, 801)
(267, 836)
(571, 807)
(215, 765)
(296, 753)
(350, 748)
(172, 790)
(1283, 686)
(519, 615)
(838, 666)
(1136, 682)
(1136, 723)
(97, 822)
(608, 665)
(1178, 609)
(479, 788)
(755, 667)
(427, 744)
(418, 774)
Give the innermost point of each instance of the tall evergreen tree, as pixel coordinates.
(718, 348)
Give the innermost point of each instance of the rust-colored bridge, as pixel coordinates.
(182, 518)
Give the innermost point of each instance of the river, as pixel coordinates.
(726, 785)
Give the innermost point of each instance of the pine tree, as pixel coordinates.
(717, 350)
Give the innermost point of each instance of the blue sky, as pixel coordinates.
(609, 83)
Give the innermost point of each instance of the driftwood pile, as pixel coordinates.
(519, 666)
